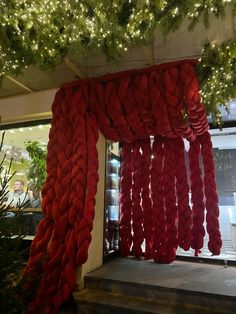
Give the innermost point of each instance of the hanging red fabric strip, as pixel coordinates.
(136, 201)
(157, 193)
(198, 208)
(211, 198)
(85, 225)
(170, 200)
(146, 200)
(125, 200)
(182, 191)
(196, 112)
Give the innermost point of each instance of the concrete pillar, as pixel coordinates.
(95, 254)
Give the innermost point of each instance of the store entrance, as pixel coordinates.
(224, 150)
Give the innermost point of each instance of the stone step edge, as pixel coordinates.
(143, 286)
(116, 301)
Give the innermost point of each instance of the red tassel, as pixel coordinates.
(182, 190)
(92, 179)
(170, 200)
(212, 208)
(198, 231)
(159, 215)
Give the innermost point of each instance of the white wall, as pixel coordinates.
(95, 257)
(27, 107)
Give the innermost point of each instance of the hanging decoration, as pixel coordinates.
(217, 76)
(162, 101)
(31, 35)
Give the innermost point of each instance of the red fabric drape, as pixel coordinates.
(162, 101)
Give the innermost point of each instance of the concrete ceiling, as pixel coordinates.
(180, 45)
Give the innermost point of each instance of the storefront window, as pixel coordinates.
(224, 151)
(24, 165)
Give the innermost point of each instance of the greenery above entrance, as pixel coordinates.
(42, 32)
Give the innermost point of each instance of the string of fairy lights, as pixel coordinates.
(217, 75)
(41, 32)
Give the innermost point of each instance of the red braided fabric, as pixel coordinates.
(170, 200)
(132, 105)
(198, 231)
(146, 199)
(72, 210)
(85, 225)
(136, 201)
(157, 192)
(182, 191)
(115, 112)
(174, 99)
(158, 106)
(129, 106)
(126, 94)
(97, 103)
(125, 200)
(196, 113)
(73, 195)
(38, 250)
(211, 198)
(141, 96)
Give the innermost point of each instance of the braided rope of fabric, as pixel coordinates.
(54, 249)
(115, 112)
(136, 201)
(74, 201)
(157, 193)
(182, 191)
(146, 200)
(59, 276)
(97, 106)
(196, 113)
(141, 96)
(211, 198)
(170, 200)
(131, 107)
(198, 208)
(158, 106)
(173, 98)
(125, 200)
(85, 225)
(126, 94)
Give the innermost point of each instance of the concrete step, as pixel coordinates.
(131, 286)
(166, 296)
(91, 301)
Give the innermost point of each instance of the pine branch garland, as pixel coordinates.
(42, 32)
(217, 75)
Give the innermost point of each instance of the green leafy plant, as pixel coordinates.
(12, 252)
(37, 169)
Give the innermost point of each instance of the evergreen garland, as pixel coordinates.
(42, 32)
(217, 75)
